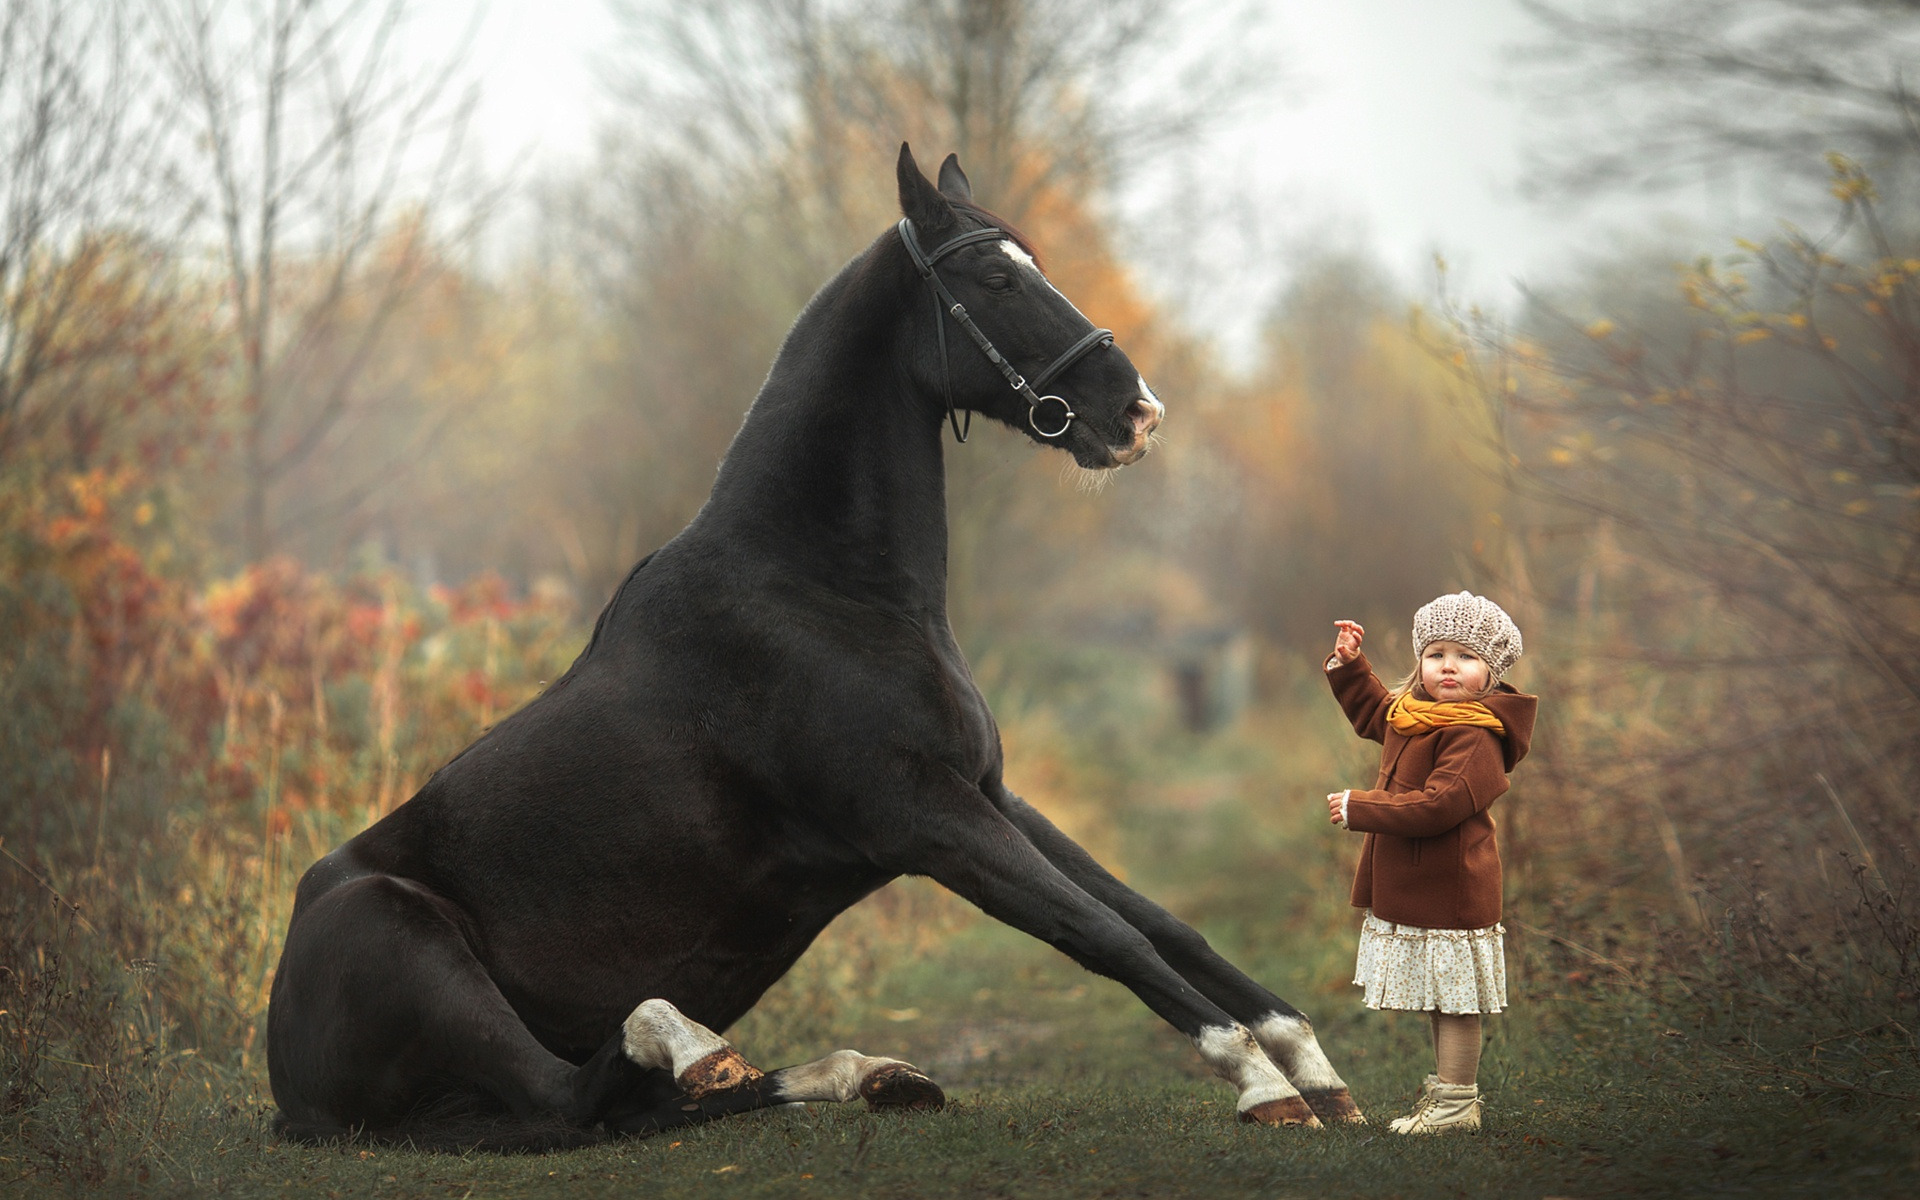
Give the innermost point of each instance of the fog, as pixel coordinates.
(351, 354)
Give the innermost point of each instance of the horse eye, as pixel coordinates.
(998, 283)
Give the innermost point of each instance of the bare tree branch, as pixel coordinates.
(1692, 87)
(78, 127)
(328, 217)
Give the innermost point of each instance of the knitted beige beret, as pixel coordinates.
(1476, 623)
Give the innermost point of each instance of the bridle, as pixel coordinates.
(1056, 408)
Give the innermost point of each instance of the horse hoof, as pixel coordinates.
(721, 1071)
(901, 1087)
(1334, 1107)
(1289, 1110)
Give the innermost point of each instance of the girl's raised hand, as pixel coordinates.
(1346, 640)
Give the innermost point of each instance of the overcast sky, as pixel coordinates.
(1397, 131)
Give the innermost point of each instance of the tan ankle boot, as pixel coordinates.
(1399, 1124)
(1444, 1108)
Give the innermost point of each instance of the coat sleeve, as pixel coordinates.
(1467, 777)
(1362, 697)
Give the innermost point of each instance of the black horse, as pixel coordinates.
(770, 721)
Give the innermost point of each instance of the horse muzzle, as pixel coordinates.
(1143, 416)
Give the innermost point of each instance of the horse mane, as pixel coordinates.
(965, 207)
(1001, 223)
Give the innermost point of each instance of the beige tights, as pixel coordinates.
(1456, 1046)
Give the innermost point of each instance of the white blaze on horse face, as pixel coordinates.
(836, 1077)
(1014, 252)
(1237, 1058)
(1289, 1041)
(1025, 261)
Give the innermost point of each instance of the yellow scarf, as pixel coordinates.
(1410, 716)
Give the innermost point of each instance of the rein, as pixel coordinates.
(944, 299)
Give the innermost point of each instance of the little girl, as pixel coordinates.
(1429, 873)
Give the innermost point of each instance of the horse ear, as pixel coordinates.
(920, 202)
(953, 181)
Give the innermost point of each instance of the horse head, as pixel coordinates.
(1020, 352)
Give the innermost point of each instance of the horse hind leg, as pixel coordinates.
(383, 1021)
(659, 1036)
(884, 1083)
(711, 1079)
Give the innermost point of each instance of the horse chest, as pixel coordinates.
(963, 728)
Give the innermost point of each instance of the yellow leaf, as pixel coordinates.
(1747, 336)
(1600, 328)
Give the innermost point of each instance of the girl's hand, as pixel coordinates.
(1334, 803)
(1346, 640)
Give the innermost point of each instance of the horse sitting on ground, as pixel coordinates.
(770, 721)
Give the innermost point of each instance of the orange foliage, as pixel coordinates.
(1081, 262)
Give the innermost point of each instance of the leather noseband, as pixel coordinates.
(1056, 408)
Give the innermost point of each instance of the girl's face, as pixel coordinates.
(1450, 671)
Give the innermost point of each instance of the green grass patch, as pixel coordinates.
(1598, 1081)
(1064, 1085)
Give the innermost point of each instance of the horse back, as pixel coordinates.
(721, 727)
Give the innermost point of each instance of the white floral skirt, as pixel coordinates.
(1427, 970)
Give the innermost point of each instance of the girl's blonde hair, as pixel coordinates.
(1406, 683)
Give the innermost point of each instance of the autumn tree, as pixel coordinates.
(1032, 94)
(757, 157)
(1705, 91)
(1720, 460)
(325, 171)
(78, 219)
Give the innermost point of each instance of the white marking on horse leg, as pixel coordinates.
(657, 1035)
(1291, 1044)
(836, 1077)
(1265, 1094)
(1289, 1041)
(850, 1075)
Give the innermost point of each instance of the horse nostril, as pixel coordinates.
(1144, 415)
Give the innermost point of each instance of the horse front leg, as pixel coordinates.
(1282, 1030)
(953, 834)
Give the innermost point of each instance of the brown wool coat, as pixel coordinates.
(1430, 858)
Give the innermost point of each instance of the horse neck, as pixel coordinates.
(837, 473)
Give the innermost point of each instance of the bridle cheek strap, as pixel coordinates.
(1043, 411)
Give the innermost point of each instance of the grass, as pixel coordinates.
(1063, 1084)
